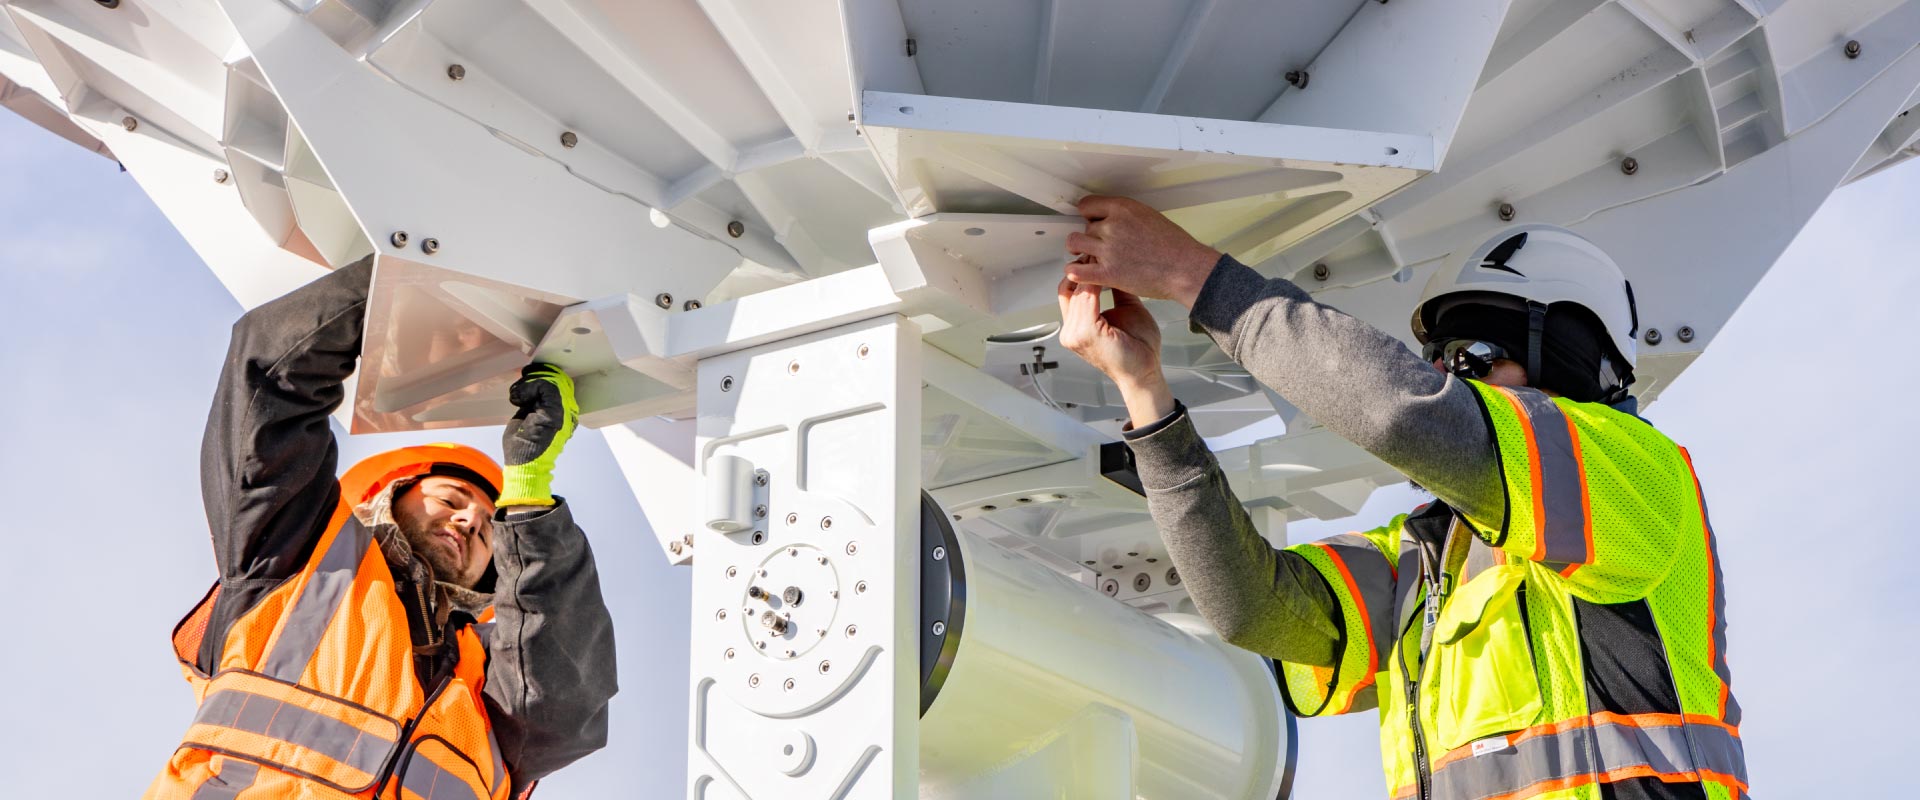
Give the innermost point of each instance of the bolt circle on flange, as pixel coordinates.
(1653, 336)
(456, 72)
(1684, 334)
(429, 245)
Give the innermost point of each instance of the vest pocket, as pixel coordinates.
(1481, 680)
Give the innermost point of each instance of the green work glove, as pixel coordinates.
(535, 436)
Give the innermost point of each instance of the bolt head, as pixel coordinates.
(825, 667)
(129, 123)
(826, 523)
(1629, 165)
(1321, 272)
(720, 615)
(1142, 581)
(732, 571)
(726, 384)
(108, 4)
(1110, 587)
(1506, 212)
(939, 628)
(429, 245)
(759, 511)
(729, 654)
(456, 72)
(753, 680)
(939, 553)
(1684, 334)
(220, 176)
(853, 630)
(853, 548)
(663, 300)
(1297, 78)
(690, 305)
(1173, 576)
(789, 684)
(793, 551)
(674, 547)
(1853, 48)
(736, 228)
(793, 518)
(791, 595)
(569, 139)
(1653, 336)
(860, 587)
(758, 537)
(760, 477)
(793, 368)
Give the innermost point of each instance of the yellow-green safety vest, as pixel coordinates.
(1577, 648)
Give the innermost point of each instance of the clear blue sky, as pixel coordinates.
(114, 333)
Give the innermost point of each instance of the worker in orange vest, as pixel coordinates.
(426, 626)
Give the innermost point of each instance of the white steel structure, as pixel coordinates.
(800, 257)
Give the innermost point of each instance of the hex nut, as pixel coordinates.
(220, 176)
(1321, 272)
(1505, 212)
(736, 228)
(1853, 48)
(456, 72)
(569, 139)
(129, 123)
(1629, 165)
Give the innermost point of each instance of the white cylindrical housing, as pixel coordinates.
(1042, 657)
(729, 493)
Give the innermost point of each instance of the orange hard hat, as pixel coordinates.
(373, 473)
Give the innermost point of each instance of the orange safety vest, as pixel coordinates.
(315, 694)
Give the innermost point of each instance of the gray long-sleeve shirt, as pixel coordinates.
(1357, 381)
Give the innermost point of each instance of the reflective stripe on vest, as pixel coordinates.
(294, 729)
(1602, 748)
(1562, 511)
(428, 781)
(1369, 580)
(313, 611)
(235, 776)
(499, 764)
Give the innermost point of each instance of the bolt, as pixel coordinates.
(398, 238)
(789, 684)
(793, 368)
(1298, 78)
(912, 47)
(1321, 273)
(825, 667)
(429, 245)
(821, 559)
(732, 571)
(1685, 334)
(835, 594)
(1853, 48)
(736, 228)
(759, 511)
(686, 539)
(989, 508)
(852, 631)
(761, 645)
(853, 548)
(819, 631)
(860, 587)
(1173, 576)
(129, 123)
(1153, 561)
(863, 351)
(939, 628)
(1142, 581)
(826, 523)
(726, 384)
(759, 477)
(939, 553)
(1506, 212)
(108, 4)
(1629, 165)
(569, 139)
(1110, 587)
(720, 615)
(456, 72)
(729, 654)
(791, 595)
(756, 592)
(674, 547)
(753, 680)
(790, 654)
(220, 176)
(663, 300)
(793, 518)
(759, 537)
(793, 552)
(774, 622)
(690, 305)
(1653, 336)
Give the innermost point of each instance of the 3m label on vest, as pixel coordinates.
(1492, 744)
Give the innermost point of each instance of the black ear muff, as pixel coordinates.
(1536, 335)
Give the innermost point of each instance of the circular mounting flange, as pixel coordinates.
(790, 601)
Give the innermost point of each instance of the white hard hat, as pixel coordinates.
(1544, 264)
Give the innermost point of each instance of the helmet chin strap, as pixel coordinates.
(1536, 330)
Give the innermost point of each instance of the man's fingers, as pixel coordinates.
(1097, 207)
(1080, 243)
(1126, 299)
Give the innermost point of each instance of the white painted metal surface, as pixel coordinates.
(637, 190)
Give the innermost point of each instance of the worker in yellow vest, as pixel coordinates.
(427, 626)
(1554, 624)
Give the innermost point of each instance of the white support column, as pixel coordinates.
(805, 646)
